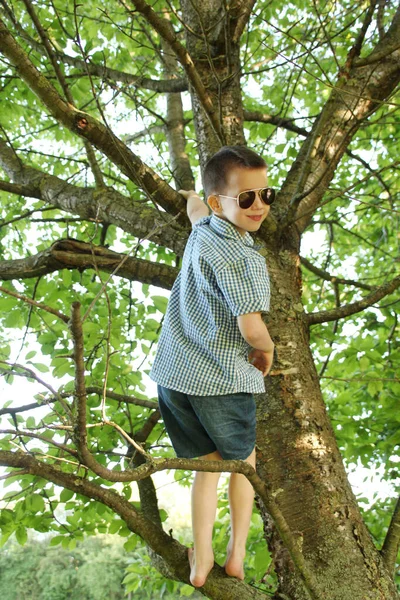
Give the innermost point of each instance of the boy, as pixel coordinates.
(205, 373)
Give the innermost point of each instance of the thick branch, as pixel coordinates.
(175, 129)
(88, 127)
(73, 254)
(22, 190)
(240, 12)
(391, 544)
(355, 307)
(356, 49)
(107, 205)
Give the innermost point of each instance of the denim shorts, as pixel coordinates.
(199, 425)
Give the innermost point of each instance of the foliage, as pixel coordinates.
(292, 58)
(93, 570)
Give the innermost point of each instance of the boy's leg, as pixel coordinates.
(241, 498)
(204, 507)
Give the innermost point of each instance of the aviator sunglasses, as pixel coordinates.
(246, 199)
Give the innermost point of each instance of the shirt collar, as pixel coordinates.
(228, 230)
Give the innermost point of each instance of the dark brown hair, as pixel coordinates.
(228, 157)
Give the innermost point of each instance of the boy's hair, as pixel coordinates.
(228, 157)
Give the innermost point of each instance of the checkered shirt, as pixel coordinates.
(201, 350)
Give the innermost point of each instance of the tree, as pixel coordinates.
(312, 87)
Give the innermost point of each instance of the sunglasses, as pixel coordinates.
(246, 199)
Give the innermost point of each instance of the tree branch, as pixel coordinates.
(260, 117)
(49, 51)
(30, 374)
(332, 278)
(48, 309)
(20, 189)
(240, 12)
(89, 128)
(90, 68)
(73, 254)
(391, 544)
(80, 431)
(174, 553)
(164, 29)
(175, 129)
(43, 438)
(152, 534)
(356, 49)
(355, 307)
(121, 398)
(106, 205)
(357, 94)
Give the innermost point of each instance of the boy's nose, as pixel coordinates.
(258, 203)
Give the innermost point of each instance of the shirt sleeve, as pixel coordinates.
(202, 221)
(245, 286)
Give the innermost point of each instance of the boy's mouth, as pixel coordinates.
(256, 217)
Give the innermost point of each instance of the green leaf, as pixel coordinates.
(160, 302)
(21, 535)
(37, 503)
(4, 538)
(131, 543)
(40, 367)
(56, 540)
(186, 590)
(66, 495)
(115, 526)
(30, 423)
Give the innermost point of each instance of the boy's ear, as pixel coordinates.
(214, 203)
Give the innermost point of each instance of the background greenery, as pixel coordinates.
(290, 57)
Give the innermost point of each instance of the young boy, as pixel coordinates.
(215, 350)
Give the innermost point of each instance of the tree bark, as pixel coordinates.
(217, 61)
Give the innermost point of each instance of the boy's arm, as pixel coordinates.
(196, 209)
(256, 334)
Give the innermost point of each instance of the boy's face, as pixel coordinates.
(241, 180)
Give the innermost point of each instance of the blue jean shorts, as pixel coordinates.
(199, 425)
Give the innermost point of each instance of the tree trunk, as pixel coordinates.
(217, 61)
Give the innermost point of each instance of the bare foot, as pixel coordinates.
(198, 572)
(234, 563)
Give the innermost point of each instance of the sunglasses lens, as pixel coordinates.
(267, 195)
(246, 199)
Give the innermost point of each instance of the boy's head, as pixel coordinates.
(235, 169)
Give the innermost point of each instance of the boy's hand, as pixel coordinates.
(261, 360)
(187, 193)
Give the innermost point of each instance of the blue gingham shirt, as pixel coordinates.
(201, 350)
